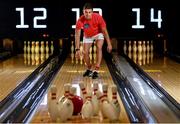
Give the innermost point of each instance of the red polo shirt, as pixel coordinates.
(92, 26)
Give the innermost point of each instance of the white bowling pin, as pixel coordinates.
(105, 91)
(114, 100)
(87, 108)
(66, 109)
(53, 103)
(152, 53)
(47, 48)
(42, 47)
(25, 52)
(139, 52)
(52, 48)
(33, 59)
(25, 48)
(37, 47)
(134, 52)
(107, 108)
(144, 52)
(148, 52)
(129, 50)
(83, 90)
(32, 47)
(72, 47)
(66, 94)
(95, 101)
(72, 58)
(28, 48)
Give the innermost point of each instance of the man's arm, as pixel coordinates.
(106, 35)
(77, 38)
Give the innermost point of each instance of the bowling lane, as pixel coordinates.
(72, 73)
(166, 72)
(12, 72)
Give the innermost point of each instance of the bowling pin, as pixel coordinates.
(87, 108)
(25, 48)
(129, 50)
(152, 53)
(33, 59)
(66, 109)
(28, 48)
(139, 52)
(32, 47)
(42, 57)
(95, 101)
(47, 48)
(72, 46)
(37, 47)
(25, 52)
(125, 48)
(28, 58)
(148, 52)
(66, 94)
(83, 90)
(72, 58)
(106, 108)
(52, 48)
(42, 47)
(134, 51)
(53, 103)
(114, 100)
(144, 52)
(37, 58)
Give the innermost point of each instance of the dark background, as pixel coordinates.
(118, 15)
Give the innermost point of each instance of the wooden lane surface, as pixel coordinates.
(167, 73)
(72, 73)
(12, 72)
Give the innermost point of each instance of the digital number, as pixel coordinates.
(137, 10)
(77, 10)
(158, 20)
(152, 18)
(35, 19)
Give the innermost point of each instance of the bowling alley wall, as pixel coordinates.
(50, 20)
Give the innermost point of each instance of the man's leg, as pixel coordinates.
(99, 44)
(86, 47)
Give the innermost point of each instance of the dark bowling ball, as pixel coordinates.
(78, 103)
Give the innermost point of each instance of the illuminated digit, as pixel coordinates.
(43, 17)
(77, 10)
(22, 25)
(137, 10)
(77, 15)
(99, 10)
(158, 20)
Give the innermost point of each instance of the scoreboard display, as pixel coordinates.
(32, 18)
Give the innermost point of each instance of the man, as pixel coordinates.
(94, 28)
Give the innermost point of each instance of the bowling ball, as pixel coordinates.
(78, 103)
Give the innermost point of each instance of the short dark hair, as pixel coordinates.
(87, 6)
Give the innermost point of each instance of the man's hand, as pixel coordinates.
(109, 48)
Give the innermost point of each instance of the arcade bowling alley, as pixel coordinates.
(89, 61)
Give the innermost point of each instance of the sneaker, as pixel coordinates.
(95, 75)
(88, 73)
